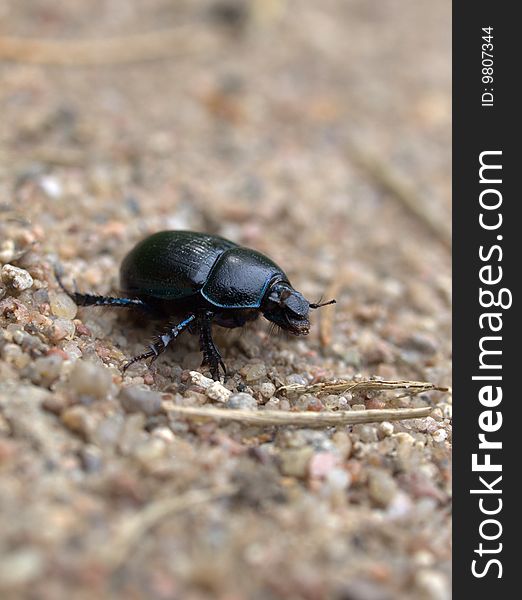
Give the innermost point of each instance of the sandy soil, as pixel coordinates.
(318, 133)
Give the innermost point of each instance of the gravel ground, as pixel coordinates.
(318, 133)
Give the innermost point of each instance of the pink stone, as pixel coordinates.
(321, 464)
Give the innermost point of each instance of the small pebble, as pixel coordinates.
(254, 372)
(423, 558)
(432, 585)
(164, 433)
(400, 506)
(132, 433)
(267, 389)
(334, 402)
(148, 451)
(61, 329)
(366, 433)
(218, 392)
(12, 353)
(361, 589)
(79, 420)
(440, 435)
(7, 251)
(338, 479)
(90, 379)
(200, 380)
(72, 350)
(62, 306)
(343, 444)
(430, 425)
(273, 404)
(134, 399)
(21, 567)
(404, 438)
(307, 402)
(381, 487)
(41, 297)
(107, 433)
(16, 278)
(296, 380)
(385, 429)
(45, 371)
(55, 403)
(242, 401)
(91, 458)
(321, 464)
(437, 414)
(294, 461)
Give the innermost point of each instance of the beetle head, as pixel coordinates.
(288, 308)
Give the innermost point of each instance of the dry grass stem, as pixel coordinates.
(365, 385)
(303, 419)
(139, 47)
(392, 183)
(134, 528)
(327, 314)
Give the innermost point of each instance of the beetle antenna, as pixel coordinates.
(323, 304)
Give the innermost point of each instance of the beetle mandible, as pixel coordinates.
(206, 279)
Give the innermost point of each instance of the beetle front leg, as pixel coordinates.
(161, 343)
(211, 355)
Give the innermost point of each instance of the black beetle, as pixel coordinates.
(206, 279)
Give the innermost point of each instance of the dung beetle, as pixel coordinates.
(204, 279)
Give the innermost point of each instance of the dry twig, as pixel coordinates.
(365, 385)
(327, 314)
(303, 419)
(402, 192)
(139, 47)
(134, 528)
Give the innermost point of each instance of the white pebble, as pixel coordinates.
(198, 379)
(18, 279)
(51, 186)
(386, 428)
(164, 433)
(404, 438)
(440, 435)
(338, 479)
(433, 585)
(218, 392)
(7, 251)
(63, 306)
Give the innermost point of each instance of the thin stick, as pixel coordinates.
(326, 318)
(134, 528)
(117, 50)
(365, 385)
(306, 419)
(402, 192)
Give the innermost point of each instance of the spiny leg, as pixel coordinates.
(160, 345)
(211, 355)
(94, 300)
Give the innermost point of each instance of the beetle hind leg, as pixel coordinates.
(161, 343)
(211, 355)
(95, 300)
